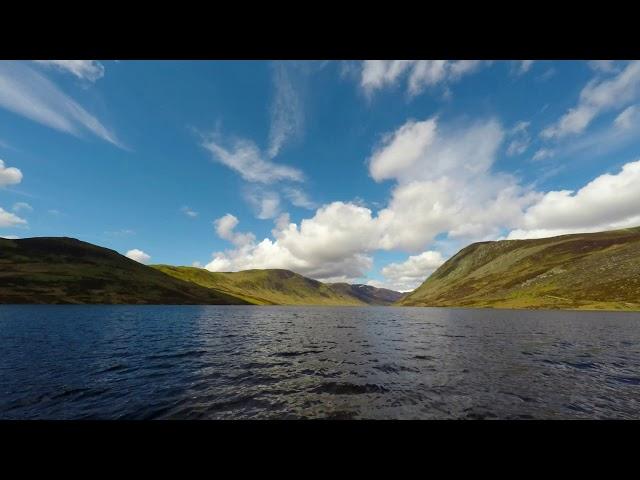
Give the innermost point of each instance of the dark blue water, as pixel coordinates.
(235, 362)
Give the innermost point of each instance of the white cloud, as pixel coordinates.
(286, 110)
(22, 206)
(523, 66)
(10, 237)
(90, 70)
(377, 74)
(598, 96)
(520, 139)
(444, 184)
(603, 66)
(266, 203)
(189, 212)
(245, 158)
(8, 219)
(299, 198)
(408, 275)
(629, 117)
(138, 256)
(609, 201)
(542, 154)
(328, 246)
(9, 175)
(28, 93)
(225, 228)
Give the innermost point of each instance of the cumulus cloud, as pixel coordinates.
(225, 228)
(245, 157)
(9, 175)
(326, 246)
(90, 70)
(138, 256)
(609, 201)
(445, 188)
(444, 184)
(26, 92)
(420, 74)
(408, 275)
(8, 219)
(598, 96)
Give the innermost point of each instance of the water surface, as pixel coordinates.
(238, 362)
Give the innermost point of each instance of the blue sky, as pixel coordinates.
(374, 171)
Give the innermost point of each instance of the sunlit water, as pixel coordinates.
(236, 362)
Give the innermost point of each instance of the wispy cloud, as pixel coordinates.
(28, 93)
(523, 66)
(598, 96)
(286, 110)
(90, 70)
(299, 198)
(22, 207)
(189, 212)
(420, 74)
(244, 157)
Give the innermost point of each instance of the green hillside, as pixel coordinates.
(66, 270)
(270, 287)
(582, 271)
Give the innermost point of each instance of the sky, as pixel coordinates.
(361, 171)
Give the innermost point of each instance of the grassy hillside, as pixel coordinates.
(274, 287)
(66, 270)
(582, 271)
(368, 294)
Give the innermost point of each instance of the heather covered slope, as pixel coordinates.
(278, 287)
(66, 270)
(582, 271)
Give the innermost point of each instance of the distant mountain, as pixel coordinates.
(281, 287)
(582, 271)
(66, 270)
(368, 294)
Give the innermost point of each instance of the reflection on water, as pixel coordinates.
(236, 362)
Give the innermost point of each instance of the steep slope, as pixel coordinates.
(582, 271)
(275, 287)
(66, 270)
(368, 294)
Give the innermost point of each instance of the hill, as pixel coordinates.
(278, 287)
(66, 270)
(368, 294)
(581, 271)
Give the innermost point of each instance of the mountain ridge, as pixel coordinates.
(280, 287)
(64, 270)
(597, 270)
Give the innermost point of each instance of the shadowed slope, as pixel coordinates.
(66, 270)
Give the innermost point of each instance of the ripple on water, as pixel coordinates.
(202, 362)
